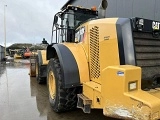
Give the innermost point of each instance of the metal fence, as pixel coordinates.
(2, 53)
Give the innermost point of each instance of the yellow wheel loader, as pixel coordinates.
(41, 66)
(18, 54)
(38, 64)
(104, 63)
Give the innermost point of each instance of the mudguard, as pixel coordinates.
(42, 62)
(51, 52)
(68, 65)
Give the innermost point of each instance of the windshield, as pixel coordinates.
(73, 19)
(82, 17)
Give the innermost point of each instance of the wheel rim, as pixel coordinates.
(52, 87)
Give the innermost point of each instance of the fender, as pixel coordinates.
(42, 57)
(51, 52)
(68, 65)
(42, 62)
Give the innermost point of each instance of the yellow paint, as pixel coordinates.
(92, 90)
(111, 81)
(16, 56)
(32, 66)
(108, 48)
(118, 83)
(88, 92)
(37, 69)
(52, 85)
(97, 100)
(44, 60)
(108, 45)
(115, 91)
(85, 42)
(80, 57)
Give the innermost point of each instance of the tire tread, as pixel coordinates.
(67, 97)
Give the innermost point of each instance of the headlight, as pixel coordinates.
(132, 85)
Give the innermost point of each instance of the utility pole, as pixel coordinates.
(5, 29)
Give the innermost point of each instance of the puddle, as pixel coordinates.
(21, 98)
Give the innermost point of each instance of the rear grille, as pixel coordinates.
(147, 50)
(94, 52)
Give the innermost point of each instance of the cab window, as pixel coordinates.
(79, 36)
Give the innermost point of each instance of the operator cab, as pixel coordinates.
(70, 18)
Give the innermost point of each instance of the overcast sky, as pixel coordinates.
(28, 21)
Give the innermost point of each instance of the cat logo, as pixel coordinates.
(155, 25)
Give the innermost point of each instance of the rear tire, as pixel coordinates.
(40, 79)
(61, 99)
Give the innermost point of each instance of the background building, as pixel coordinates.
(1, 53)
(149, 9)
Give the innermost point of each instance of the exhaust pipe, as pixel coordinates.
(102, 9)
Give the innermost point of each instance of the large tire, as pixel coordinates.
(61, 99)
(40, 80)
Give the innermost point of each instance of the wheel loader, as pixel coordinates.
(38, 64)
(104, 63)
(26, 53)
(18, 54)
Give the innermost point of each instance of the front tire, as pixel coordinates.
(61, 99)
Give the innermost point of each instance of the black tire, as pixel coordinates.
(40, 80)
(65, 99)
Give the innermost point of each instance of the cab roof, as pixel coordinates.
(67, 3)
(80, 9)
